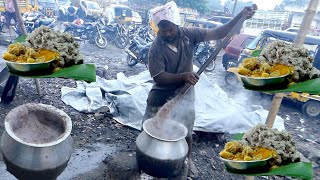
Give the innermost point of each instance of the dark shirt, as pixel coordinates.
(166, 58)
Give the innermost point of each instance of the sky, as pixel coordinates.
(266, 4)
(263, 4)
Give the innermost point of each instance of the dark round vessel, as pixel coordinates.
(162, 156)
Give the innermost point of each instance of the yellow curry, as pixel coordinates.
(236, 151)
(22, 54)
(252, 67)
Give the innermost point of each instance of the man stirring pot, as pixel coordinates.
(171, 64)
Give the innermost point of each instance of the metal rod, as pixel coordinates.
(224, 42)
(215, 53)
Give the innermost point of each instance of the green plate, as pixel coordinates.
(84, 72)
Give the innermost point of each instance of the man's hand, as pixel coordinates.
(190, 77)
(249, 11)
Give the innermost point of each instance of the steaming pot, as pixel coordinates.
(158, 155)
(31, 160)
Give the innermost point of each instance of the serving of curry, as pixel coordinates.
(22, 54)
(236, 151)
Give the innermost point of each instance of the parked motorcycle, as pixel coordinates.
(33, 20)
(116, 33)
(202, 53)
(138, 51)
(144, 33)
(89, 31)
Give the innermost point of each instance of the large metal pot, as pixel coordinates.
(36, 143)
(162, 148)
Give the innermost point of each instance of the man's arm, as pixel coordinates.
(222, 31)
(165, 78)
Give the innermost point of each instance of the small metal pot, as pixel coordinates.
(31, 160)
(31, 68)
(244, 165)
(265, 83)
(162, 155)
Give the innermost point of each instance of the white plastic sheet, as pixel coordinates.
(126, 97)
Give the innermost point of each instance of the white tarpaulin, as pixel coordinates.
(126, 97)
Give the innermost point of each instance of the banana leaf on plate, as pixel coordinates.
(310, 86)
(85, 72)
(301, 170)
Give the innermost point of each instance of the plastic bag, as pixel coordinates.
(169, 12)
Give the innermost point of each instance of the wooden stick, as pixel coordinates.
(304, 28)
(19, 17)
(275, 106)
(36, 81)
(24, 32)
(306, 22)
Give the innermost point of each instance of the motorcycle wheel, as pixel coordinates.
(231, 79)
(101, 41)
(211, 66)
(131, 61)
(121, 42)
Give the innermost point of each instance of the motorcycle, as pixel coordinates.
(145, 33)
(202, 53)
(138, 51)
(116, 33)
(89, 31)
(34, 20)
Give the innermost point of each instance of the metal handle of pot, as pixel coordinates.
(216, 51)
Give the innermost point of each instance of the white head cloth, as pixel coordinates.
(169, 12)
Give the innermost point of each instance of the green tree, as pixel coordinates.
(200, 5)
(240, 5)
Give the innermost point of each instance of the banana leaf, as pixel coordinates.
(21, 38)
(85, 72)
(256, 53)
(237, 137)
(311, 86)
(301, 170)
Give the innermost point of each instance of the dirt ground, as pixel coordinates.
(97, 138)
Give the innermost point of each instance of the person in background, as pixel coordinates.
(71, 13)
(2, 21)
(110, 14)
(10, 12)
(171, 65)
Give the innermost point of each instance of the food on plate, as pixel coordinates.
(280, 141)
(279, 52)
(63, 43)
(234, 150)
(253, 67)
(19, 53)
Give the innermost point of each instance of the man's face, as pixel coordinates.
(168, 33)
